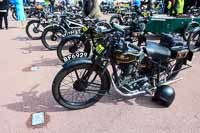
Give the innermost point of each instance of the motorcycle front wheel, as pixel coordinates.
(34, 29)
(79, 87)
(72, 44)
(52, 36)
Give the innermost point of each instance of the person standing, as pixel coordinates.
(4, 5)
(52, 6)
(179, 5)
(20, 12)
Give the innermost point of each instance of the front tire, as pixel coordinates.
(52, 36)
(75, 97)
(37, 32)
(72, 44)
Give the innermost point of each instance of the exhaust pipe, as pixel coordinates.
(172, 81)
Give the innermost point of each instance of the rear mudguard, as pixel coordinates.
(81, 61)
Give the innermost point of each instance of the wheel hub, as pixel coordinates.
(35, 30)
(73, 49)
(53, 38)
(80, 85)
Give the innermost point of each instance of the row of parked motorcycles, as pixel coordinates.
(99, 55)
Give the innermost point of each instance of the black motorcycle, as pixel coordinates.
(135, 71)
(68, 25)
(84, 42)
(35, 27)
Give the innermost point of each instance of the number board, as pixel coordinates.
(75, 56)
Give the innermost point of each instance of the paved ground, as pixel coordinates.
(24, 92)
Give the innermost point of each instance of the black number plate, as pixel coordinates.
(75, 56)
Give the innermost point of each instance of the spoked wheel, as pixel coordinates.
(79, 87)
(72, 44)
(194, 42)
(52, 36)
(34, 29)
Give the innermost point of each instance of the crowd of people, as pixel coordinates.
(172, 7)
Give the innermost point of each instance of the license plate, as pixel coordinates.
(75, 56)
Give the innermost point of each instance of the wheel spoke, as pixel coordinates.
(94, 78)
(77, 74)
(65, 84)
(94, 84)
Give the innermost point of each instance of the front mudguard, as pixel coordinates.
(88, 45)
(80, 61)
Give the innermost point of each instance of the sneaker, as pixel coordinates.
(1, 28)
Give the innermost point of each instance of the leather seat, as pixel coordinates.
(156, 51)
(170, 41)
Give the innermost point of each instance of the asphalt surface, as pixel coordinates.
(25, 91)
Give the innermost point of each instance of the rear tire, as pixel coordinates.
(194, 42)
(187, 30)
(178, 66)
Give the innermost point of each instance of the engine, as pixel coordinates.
(130, 79)
(131, 66)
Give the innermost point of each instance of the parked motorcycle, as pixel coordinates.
(135, 71)
(84, 42)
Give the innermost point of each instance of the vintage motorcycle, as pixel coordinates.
(135, 71)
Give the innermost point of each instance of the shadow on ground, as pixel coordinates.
(46, 62)
(32, 101)
(34, 48)
(21, 38)
(142, 100)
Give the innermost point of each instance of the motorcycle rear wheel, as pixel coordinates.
(175, 71)
(194, 42)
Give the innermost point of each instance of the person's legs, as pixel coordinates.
(1, 19)
(6, 19)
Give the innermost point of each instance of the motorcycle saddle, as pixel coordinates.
(171, 41)
(156, 51)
